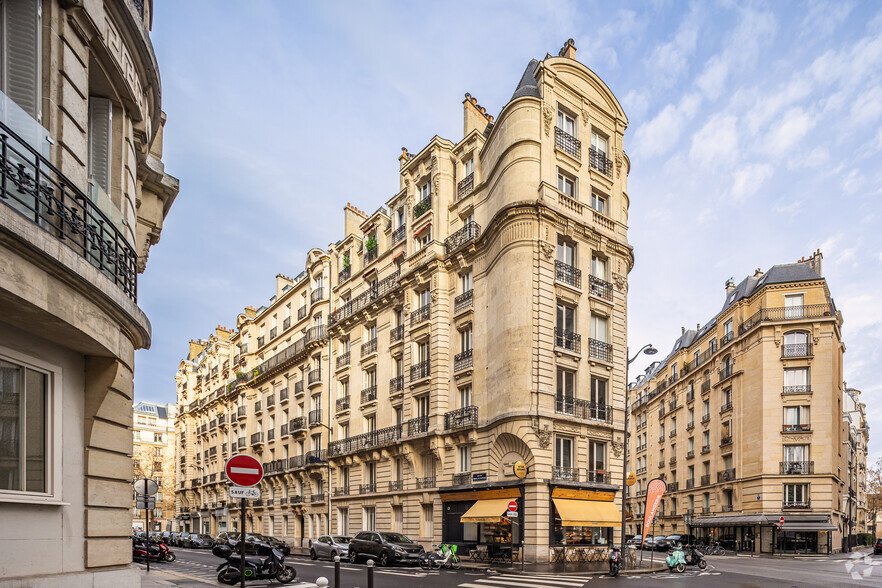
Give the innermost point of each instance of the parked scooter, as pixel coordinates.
(676, 560)
(271, 568)
(695, 558)
(165, 554)
(141, 549)
(615, 561)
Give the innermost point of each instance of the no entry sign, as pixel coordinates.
(244, 470)
(513, 506)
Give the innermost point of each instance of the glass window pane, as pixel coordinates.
(11, 401)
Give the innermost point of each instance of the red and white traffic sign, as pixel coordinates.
(513, 506)
(244, 470)
(781, 521)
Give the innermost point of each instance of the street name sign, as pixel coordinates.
(243, 470)
(242, 492)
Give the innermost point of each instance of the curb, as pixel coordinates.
(654, 569)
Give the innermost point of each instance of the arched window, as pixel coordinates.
(796, 344)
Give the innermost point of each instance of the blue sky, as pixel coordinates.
(754, 139)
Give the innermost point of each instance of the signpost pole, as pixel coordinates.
(147, 531)
(242, 542)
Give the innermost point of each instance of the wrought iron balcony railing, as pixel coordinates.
(425, 483)
(316, 456)
(418, 425)
(802, 389)
(369, 347)
(396, 334)
(33, 187)
(600, 350)
(705, 480)
(462, 360)
(797, 467)
(796, 350)
(420, 371)
(567, 340)
(343, 403)
(567, 274)
(802, 504)
(257, 438)
(599, 161)
(396, 384)
(567, 143)
(371, 254)
(369, 394)
(803, 427)
(296, 424)
(600, 288)
(583, 409)
(421, 314)
(726, 475)
(301, 312)
(283, 395)
(463, 301)
(461, 418)
(468, 233)
(465, 185)
(422, 207)
(344, 274)
(315, 417)
(361, 301)
(398, 234)
(314, 376)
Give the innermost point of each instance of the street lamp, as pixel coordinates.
(648, 349)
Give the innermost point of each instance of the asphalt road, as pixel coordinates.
(842, 570)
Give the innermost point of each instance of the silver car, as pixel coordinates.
(330, 546)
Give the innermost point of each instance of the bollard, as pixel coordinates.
(337, 571)
(322, 582)
(370, 568)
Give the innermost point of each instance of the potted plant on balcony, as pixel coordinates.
(346, 262)
(371, 243)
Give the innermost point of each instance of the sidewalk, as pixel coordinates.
(167, 579)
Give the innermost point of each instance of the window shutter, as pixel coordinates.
(21, 53)
(100, 114)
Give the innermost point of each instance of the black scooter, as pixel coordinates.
(615, 561)
(695, 558)
(271, 568)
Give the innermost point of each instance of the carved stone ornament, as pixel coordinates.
(544, 437)
(547, 249)
(617, 447)
(585, 117)
(434, 295)
(435, 183)
(406, 182)
(619, 161)
(621, 282)
(434, 163)
(547, 116)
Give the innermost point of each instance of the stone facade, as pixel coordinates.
(81, 117)
(470, 320)
(744, 420)
(154, 455)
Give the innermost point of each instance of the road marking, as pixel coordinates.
(521, 582)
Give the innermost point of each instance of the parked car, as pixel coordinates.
(877, 549)
(635, 540)
(683, 540)
(330, 546)
(660, 543)
(385, 548)
(200, 541)
(181, 539)
(255, 543)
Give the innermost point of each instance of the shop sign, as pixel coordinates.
(482, 477)
(520, 469)
(631, 479)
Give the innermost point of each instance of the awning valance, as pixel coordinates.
(486, 511)
(731, 521)
(808, 527)
(587, 513)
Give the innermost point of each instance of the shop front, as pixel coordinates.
(762, 533)
(477, 521)
(582, 524)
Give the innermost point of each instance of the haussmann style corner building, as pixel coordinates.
(748, 420)
(83, 195)
(475, 321)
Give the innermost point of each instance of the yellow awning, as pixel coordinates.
(587, 513)
(487, 511)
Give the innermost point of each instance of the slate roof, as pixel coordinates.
(528, 86)
(152, 409)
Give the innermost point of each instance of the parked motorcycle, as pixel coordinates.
(141, 550)
(676, 560)
(165, 554)
(615, 561)
(271, 568)
(695, 558)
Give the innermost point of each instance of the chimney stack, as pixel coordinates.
(568, 50)
(814, 262)
(474, 116)
(730, 285)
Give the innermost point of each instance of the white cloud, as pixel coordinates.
(713, 78)
(816, 157)
(787, 132)
(852, 182)
(822, 18)
(669, 61)
(749, 179)
(662, 132)
(716, 141)
(638, 104)
(867, 107)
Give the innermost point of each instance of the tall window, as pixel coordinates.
(468, 167)
(566, 184)
(100, 148)
(19, 48)
(599, 328)
(796, 380)
(793, 306)
(705, 409)
(370, 517)
(465, 396)
(566, 252)
(566, 123)
(705, 440)
(428, 520)
(566, 387)
(422, 406)
(597, 456)
(465, 458)
(563, 452)
(796, 494)
(796, 417)
(598, 202)
(465, 282)
(566, 326)
(423, 352)
(599, 143)
(598, 267)
(370, 423)
(465, 339)
(342, 521)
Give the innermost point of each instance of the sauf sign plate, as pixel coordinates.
(240, 492)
